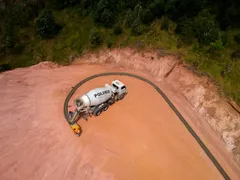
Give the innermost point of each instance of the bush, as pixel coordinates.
(184, 28)
(224, 37)
(20, 13)
(157, 8)
(227, 69)
(5, 67)
(137, 29)
(95, 38)
(137, 12)
(147, 16)
(88, 4)
(216, 47)
(84, 13)
(8, 40)
(235, 54)
(129, 18)
(130, 4)
(205, 28)
(133, 20)
(109, 44)
(61, 4)
(132, 16)
(46, 26)
(165, 23)
(117, 30)
(107, 18)
(237, 38)
(104, 14)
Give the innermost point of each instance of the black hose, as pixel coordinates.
(189, 128)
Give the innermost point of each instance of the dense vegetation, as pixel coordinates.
(205, 33)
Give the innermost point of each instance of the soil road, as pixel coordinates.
(138, 138)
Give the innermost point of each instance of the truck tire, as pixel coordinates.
(105, 107)
(97, 112)
(111, 101)
(121, 97)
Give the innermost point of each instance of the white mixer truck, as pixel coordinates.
(98, 100)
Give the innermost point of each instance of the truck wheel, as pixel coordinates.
(97, 112)
(106, 107)
(121, 97)
(111, 102)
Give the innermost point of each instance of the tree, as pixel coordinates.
(129, 18)
(157, 8)
(205, 28)
(95, 38)
(88, 4)
(235, 54)
(176, 9)
(8, 40)
(107, 18)
(237, 38)
(227, 13)
(103, 14)
(165, 23)
(20, 13)
(185, 29)
(130, 3)
(133, 18)
(61, 4)
(6, 3)
(117, 30)
(137, 12)
(46, 26)
(147, 16)
(136, 27)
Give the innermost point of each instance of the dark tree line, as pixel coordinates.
(196, 19)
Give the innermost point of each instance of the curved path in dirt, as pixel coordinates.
(140, 137)
(181, 118)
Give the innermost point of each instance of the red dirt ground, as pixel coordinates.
(138, 138)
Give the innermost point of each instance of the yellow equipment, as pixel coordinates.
(76, 129)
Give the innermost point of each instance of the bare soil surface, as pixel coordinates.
(213, 111)
(139, 137)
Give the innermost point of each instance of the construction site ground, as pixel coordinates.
(138, 138)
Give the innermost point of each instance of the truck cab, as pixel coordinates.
(120, 87)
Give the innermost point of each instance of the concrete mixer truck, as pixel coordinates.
(96, 101)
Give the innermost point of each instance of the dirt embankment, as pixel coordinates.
(222, 116)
